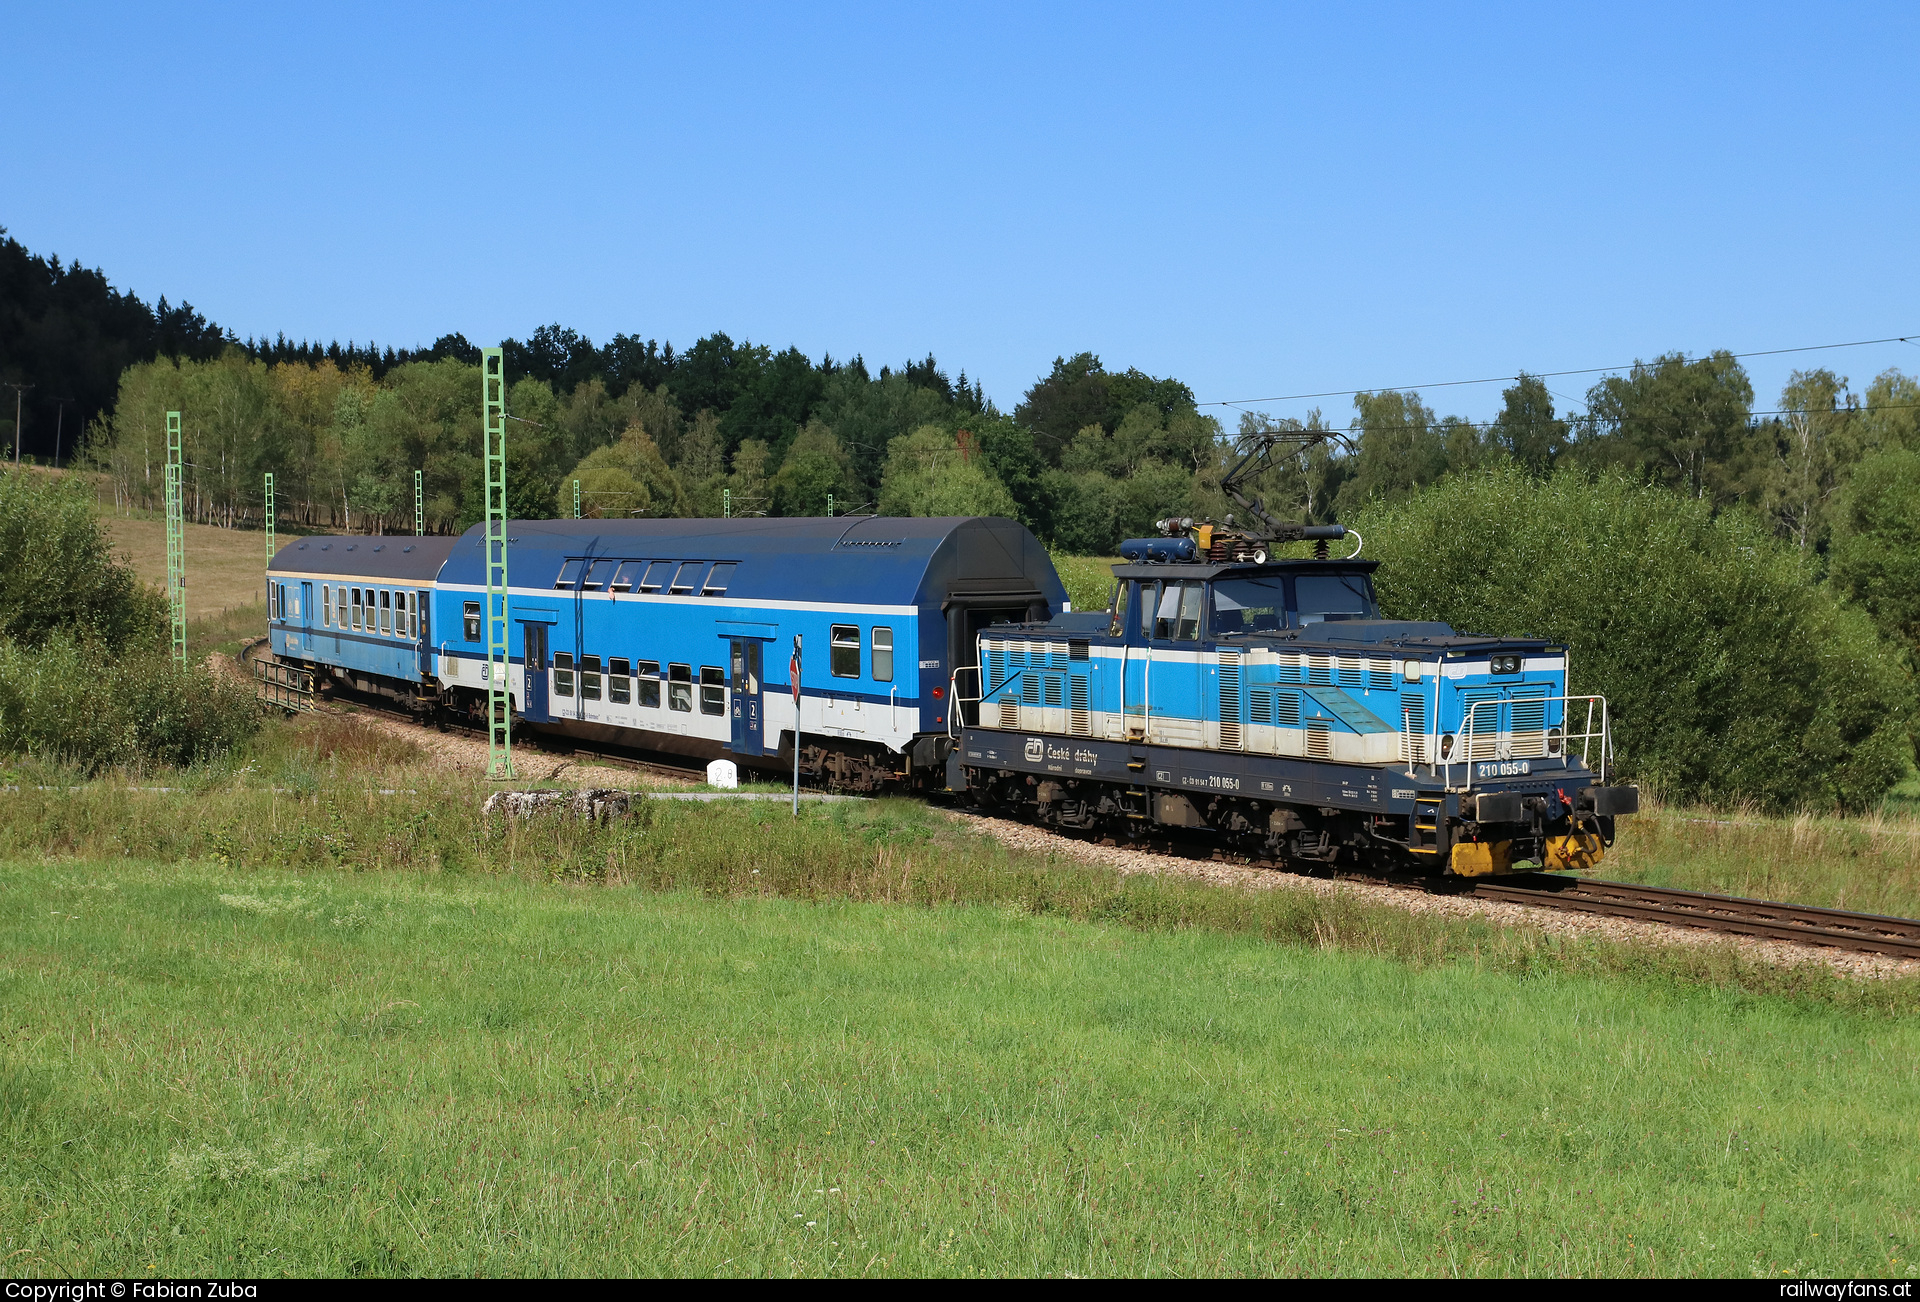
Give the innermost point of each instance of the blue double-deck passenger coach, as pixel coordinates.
(676, 635)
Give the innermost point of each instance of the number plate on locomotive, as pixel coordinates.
(1502, 769)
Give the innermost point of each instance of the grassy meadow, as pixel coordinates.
(304, 1012)
(218, 1070)
(226, 568)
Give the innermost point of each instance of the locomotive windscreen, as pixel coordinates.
(1334, 596)
(1249, 605)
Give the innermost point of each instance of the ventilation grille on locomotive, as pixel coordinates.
(1229, 700)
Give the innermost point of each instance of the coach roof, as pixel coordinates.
(856, 560)
(398, 557)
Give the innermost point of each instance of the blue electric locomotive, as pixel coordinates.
(1269, 703)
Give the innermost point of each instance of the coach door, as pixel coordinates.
(425, 640)
(967, 617)
(534, 636)
(746, 682)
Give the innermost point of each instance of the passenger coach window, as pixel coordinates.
(845, 654)
(569, 575)
(630, 572)
(680, 688)
(656, 576)
(713, 690)
(386, 611)
(356, 608)
(563, 674)
(326, 604)
(1249, 606)
(598, 576)
(470, 615)
(717, 581)
(687, 581)
(650, 684)
(413, 614)
(1321, 597)
(882, 655)
(589, 678)
(619, 681)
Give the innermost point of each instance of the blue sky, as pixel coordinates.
(1261, 200)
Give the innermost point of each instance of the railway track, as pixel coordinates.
(1802, 924)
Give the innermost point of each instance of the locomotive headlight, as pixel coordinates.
(1446, 744)
(1553, 741)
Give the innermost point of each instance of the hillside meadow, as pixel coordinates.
(308, 1014)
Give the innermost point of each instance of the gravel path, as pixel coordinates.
(1020, 836)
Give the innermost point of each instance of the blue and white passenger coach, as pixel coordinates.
(676, 635)
(358, 611)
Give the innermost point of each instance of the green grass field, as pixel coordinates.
(347, 1027)
(304, 1012)
(217, 1071)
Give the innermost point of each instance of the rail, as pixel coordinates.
(284, 686)
(1803, 924)
(1477, 752)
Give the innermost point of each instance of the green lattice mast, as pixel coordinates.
(576, 499)
(269, 495)
(419, 506)
(176, 543)
(493, 432)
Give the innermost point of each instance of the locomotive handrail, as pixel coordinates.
(1463, 752)
(955, 715)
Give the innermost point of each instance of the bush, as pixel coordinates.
(85, 674)
(57, 569)
(1731, 675)
(1875, 559)
(71, 701)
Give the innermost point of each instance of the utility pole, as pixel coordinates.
(493, 434)
(18, 415)
(59, 427)
(176, 543)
